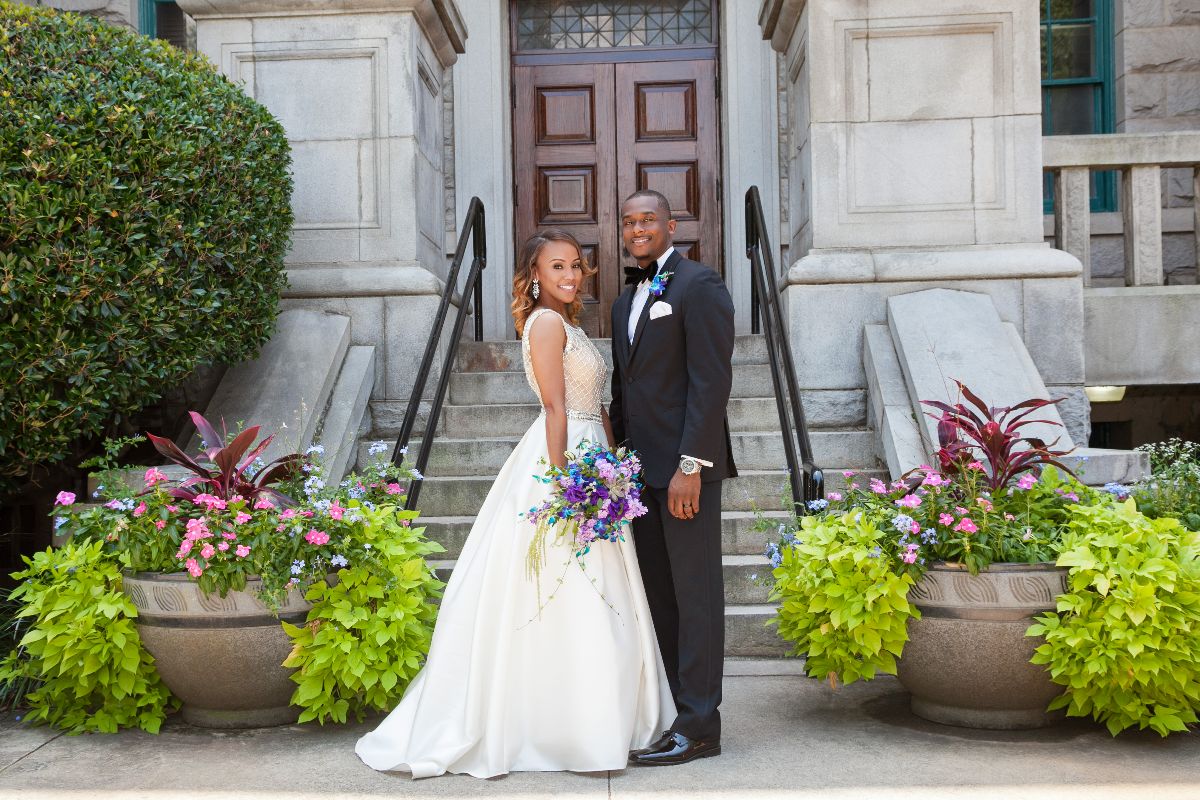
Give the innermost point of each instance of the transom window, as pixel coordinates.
(1077, 80)
(580, 25)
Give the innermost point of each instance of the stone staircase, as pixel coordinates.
(489, 406)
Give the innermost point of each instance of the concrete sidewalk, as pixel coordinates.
(785, 737)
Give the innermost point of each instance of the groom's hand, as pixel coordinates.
(683, 495)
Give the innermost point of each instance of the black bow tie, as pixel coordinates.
(635, 275)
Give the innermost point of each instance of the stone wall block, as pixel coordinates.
(1051, 308)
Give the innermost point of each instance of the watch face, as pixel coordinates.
(689, 466)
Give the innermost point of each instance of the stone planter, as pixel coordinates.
(967, 659)
(220, 655)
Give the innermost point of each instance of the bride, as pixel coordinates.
(577, 681)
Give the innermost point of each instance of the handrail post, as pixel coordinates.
(474, 230)
(806, 479)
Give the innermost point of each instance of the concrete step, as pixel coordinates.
(738, 537)
(747, 634)
(506, 356)
(831, 409)
(485, 456)
(345, 416)
(752, 489)
(746, 577)
(481, 388)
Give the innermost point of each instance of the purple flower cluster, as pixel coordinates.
(593, 496)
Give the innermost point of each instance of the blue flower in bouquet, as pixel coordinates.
(591, 499)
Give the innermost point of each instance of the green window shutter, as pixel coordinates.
(163, 19)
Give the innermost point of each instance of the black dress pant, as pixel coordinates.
(681, 568)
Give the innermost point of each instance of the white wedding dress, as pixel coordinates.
(505, 689)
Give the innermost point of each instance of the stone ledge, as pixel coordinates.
(440, 19)
(964, 263)
(385, 280)
(1142, 335)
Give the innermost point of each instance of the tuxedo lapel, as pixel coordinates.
(624, 303)
(669, 266)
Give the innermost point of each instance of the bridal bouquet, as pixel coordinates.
(591, 499)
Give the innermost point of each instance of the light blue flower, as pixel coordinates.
(929, 536)
(376, 448)
(1117, 490)
(339, 561)
(417, 475)
(316, 449)
(902, 522)
(874, 553)
(297, 567)
(818, 505)
(59, 522)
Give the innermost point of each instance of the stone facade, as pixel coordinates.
(116, 12)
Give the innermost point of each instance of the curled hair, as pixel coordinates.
(523, 302)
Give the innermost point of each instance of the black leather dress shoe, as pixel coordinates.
(674, 748)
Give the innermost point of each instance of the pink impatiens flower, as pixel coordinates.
(945, 519)
(197, 529)
(975, 465)
(207, 551)
(287, 513)
(934, 479)
(1009, 517)
(336, 511)
(242, 551)
(263, 503)
(1026, 481)
(910, 555)
(242, 518)
(194, 568)
(316, 537)
(185, 547)
(878, 486)
(141, 509)
(983, 503)
(64, 499)
(153, 476)
(394, 488)
(966, 525)
(834, 496)
(909, 501)
(160, 523)
(223, 546)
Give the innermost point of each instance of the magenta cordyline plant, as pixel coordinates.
(991, 436)
(230, 478)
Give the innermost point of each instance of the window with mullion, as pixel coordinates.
(1077, 82)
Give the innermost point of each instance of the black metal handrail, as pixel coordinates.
(473, 230)
(807, 480)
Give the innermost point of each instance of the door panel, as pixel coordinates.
(564, 136)
(586, 136)
(667, 141)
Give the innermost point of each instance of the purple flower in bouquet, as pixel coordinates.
(591, 499)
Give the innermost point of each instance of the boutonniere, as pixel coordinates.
(658, 284)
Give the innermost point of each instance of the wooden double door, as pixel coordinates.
(587, 135)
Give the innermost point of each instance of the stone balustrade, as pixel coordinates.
(1140, 157)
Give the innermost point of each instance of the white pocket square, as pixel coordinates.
(660, 309)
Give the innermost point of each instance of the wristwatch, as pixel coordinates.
(689, 466)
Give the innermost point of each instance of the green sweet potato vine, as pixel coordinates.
(367, 634)
(82, 649)
(844, 604)
(1125, 641)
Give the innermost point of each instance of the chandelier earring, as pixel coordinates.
(537, 289)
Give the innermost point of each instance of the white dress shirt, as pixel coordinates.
(640, 298)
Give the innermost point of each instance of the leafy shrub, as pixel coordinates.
(844, 602)
(366, 635)
(1173, 488)
(144, 216)
(1125, 641)
(82, 648)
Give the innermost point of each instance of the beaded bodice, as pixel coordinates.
(584, 369)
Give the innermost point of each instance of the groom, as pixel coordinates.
(672, 343)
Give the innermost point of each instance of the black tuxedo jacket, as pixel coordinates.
(671, 386)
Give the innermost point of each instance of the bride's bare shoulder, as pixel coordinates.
(546, 331)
